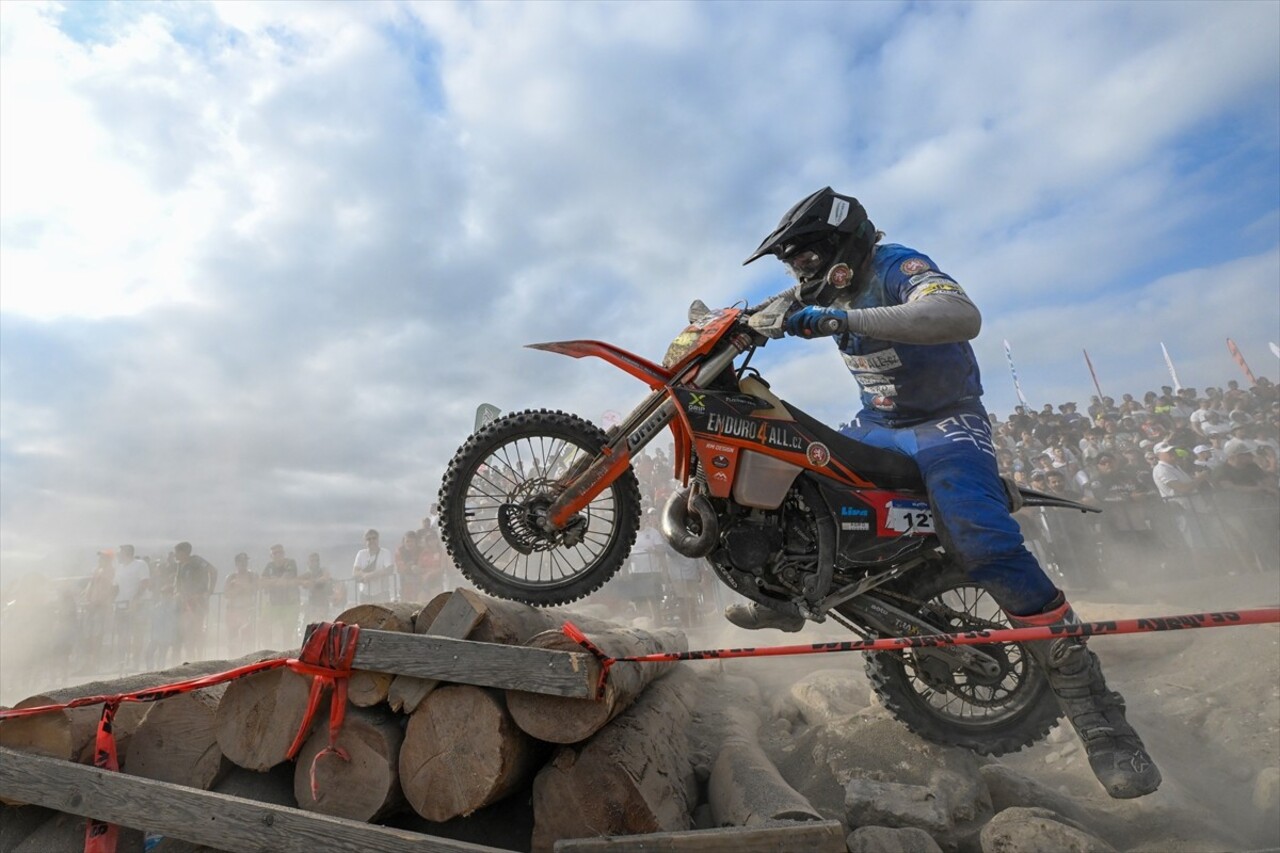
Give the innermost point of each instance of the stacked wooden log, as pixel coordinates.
(430, 754)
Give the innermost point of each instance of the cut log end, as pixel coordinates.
(462, 752)
(366, 784)
(260, 715)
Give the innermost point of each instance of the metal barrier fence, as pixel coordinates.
(1185, 537)
(1213, 534)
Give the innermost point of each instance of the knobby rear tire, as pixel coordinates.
(1027, 715)
(483, 551)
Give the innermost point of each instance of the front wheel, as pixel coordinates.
(494, 501)
(991, 715)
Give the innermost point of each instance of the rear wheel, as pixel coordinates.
(949, 705)
(494, 501)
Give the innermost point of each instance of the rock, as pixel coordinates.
(884, 839)
(869, 771)
(894, 804)
(1033, 830)
(829, 695)
(1009, 789)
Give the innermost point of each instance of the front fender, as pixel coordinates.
(654, 375)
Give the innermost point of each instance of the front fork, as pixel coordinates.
(644, 424)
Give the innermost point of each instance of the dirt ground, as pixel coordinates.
(1206, 701)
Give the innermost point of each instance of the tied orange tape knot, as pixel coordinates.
(573, 632)
(326, 657)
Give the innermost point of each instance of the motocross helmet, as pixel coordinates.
(823, 240)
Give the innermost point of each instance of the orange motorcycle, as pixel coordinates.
(543, 507)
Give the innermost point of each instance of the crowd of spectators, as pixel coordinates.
(1184, 478)
(139, 613)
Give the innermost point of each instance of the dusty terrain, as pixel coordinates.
(1206, 701)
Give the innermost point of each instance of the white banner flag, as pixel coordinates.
(1017, 386)
(1177, 386)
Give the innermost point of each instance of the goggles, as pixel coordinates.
(806, 263)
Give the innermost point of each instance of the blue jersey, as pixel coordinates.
(906, 383)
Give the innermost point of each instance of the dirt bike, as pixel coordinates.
(543, 507)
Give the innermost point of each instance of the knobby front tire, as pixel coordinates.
(497, 487)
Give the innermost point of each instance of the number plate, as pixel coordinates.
(909, 517)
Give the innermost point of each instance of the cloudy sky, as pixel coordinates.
(259, 263)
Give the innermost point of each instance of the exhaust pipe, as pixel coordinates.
(675, 524)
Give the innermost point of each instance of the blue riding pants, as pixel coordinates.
(970, 507)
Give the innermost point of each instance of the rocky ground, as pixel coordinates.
(1207, 703)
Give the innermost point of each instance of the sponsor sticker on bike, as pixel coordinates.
(907, 516)
(817, 454)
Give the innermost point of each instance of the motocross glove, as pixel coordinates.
(814, 322)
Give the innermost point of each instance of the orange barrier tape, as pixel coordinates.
(326, 656)
(1220, 619)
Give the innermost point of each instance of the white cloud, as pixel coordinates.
(266, 258)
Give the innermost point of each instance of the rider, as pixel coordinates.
(903, 327)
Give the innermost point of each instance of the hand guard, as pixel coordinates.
(814, 322)
(770, 320)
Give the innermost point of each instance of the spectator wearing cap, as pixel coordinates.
(1206, 457)
(1250, 499)
(1241, 473)
(1181, 490)
(280, 585)
(1127, 431)
(1213, 423)
(1241, 431)
(1108, 482)
(373, 568)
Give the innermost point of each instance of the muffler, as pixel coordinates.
(681, 509)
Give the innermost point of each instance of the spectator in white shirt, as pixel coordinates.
(373, 569)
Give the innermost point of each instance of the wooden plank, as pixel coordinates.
(484, 664)
(825, 836)
(202, 817)
(456, 619)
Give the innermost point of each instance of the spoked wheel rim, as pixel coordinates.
(505, 506)
(960, 697)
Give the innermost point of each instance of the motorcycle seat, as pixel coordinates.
(886, 468)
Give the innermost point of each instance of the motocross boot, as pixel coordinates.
(754, 616)
(1116, 753)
